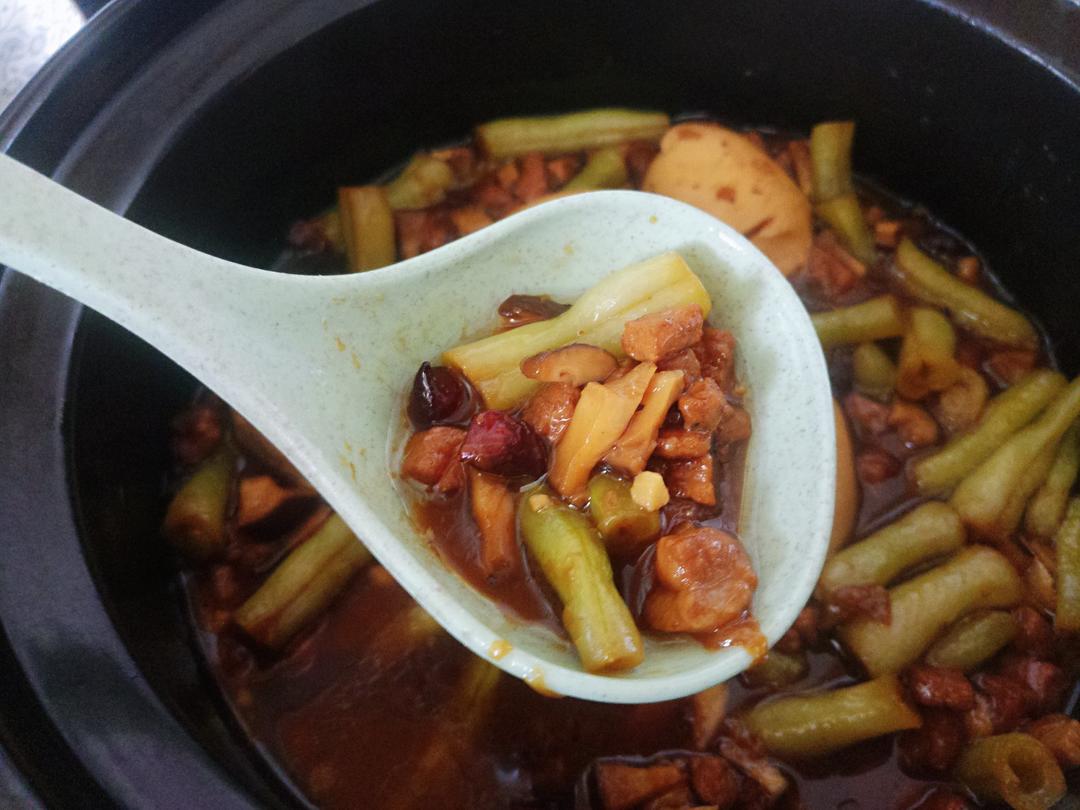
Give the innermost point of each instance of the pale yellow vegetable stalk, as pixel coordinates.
(492, 364)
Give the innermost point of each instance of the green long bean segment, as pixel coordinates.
(572, 557)
(552, 135)
(303, 585)
(195, 519)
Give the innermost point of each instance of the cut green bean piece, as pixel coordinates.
(552, 135)
(1015, 769)
(922, 607)
(605, 168)
(1067, 542)
(926, 532)
(423, 182)
(875, 373)
(195, 520)
(968, 306)
(598, 317)
(844, 215)
(776, 670)
(1046, 509)
(830, 159)
(303, 585)
(817, 724)
(985, 499)
(624, 525)
(570, 553)
(876, 319)
(973, 640)
(1005, 414)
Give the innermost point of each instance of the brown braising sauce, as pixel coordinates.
(372, 705)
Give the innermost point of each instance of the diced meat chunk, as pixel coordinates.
(550, 409)
(681, 443)
(196, 434)
(858, 602)
(933, 748)
(872, 418)
(1011, 365)
(429, 454)
(625, 787)
(532, 178)
(876, 465)
(469, 218)
(258, 496)
(704, 580)
(716, 353)
(831, 267)
(702, 405)
(421, 231)
(653, 337)
(1061, 734)
(685, 361)
(938, 687)
(692, 478)
(734, 425)
(914, 426)
(714, 781)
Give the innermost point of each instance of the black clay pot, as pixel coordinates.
(218, 122)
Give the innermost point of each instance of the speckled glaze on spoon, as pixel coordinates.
(322, 366)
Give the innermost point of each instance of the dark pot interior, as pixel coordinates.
(225, 121)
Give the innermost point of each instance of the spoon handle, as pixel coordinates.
(155, 287)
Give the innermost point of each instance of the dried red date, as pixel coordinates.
(439, 396)
(500, 443)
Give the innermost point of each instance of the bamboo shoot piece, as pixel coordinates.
(1067, 543)
(303, 585)
(1004, 416)
(983, 498)
(367, 226)
(553, 135)
(876, 319)
(1046, 509)
(974, 578)
(633, 448)
(969, 307)
(570, 553)
(195, 520)
(817, 724)
(602, 415)
(492, 364)
(492, 505)
(1013, 768)
(926, 532)
(973, 640)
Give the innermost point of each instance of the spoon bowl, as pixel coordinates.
(322, 367)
